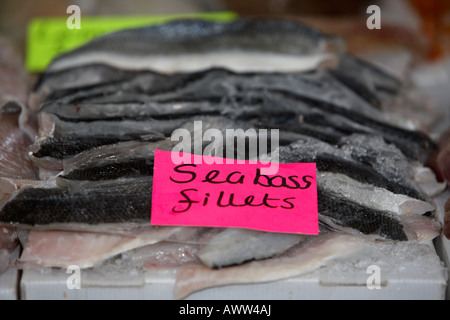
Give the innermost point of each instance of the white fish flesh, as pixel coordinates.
(306, 257)
(189, 45)
(235, 246)
(64, 248)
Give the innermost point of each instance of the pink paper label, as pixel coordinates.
(209, 191)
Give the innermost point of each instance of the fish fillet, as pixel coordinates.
(119, 201)
(64, 248)
(300, 260)
(187, 45)
(235, 246)
(163, 254)
(370, 196)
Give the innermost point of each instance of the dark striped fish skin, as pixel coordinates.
(186, 37)
(341, 110)
(370, 173)
(376, 86)
(415, 145)
(130, 202)
(142, 85)
(336, 159)
(127, 202)
(357, 156)
(359, 172)
(217, 85)
(129, 169)
(368, 221)
(121, 111)
(67, 146)
(53, 84)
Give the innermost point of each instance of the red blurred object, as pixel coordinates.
(432, 14)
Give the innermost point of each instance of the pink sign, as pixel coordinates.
(204, 192)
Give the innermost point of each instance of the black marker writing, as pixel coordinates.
(280, 181)
(188, 201)
(177, 169)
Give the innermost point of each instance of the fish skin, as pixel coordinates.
(369, 149)
(386, 158)
(365, 174)
(235, 246)
(372, 83)
(382, 222)
(219, 85)
(66, 147)
(370, 196)
(116, 153)
(116, 111)
(349, 214)
(56, 155)
(286, 92)
(82, 77)
(9, 186)
(136, 168)
(126, 202)
(403, 182)
(189, 37)
(382, 211)
(140, 87)
(416, 145)
(129, 201)
(55, 127)
(329, 159)
(300, 260)
(329, 162)
(52, 126)
(331, 135)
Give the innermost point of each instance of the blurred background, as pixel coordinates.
(402, 19)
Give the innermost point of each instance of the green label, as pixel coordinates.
(50, 37)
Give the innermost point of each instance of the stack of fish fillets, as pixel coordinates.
(104, 108)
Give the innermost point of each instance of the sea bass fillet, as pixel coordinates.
(94, 132)
(120, 201)
(304, 258)
(249, 96)
(376, 198)
(109, 170)
(235, 246)
(84, 249)
(188, 45)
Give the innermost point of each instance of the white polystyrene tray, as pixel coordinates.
(35, 286)
(8, 285)
(320, 284)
